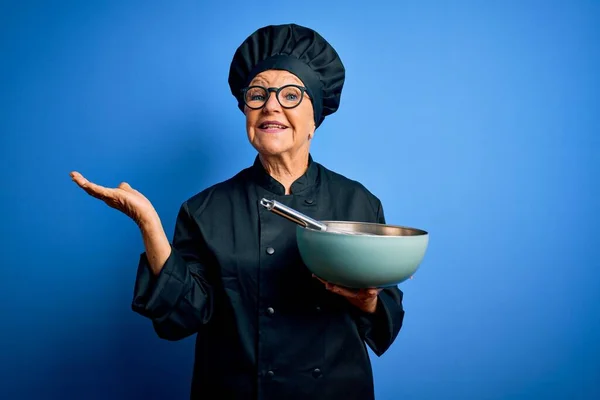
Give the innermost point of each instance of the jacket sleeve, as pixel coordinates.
(380, 329)
(179, 300)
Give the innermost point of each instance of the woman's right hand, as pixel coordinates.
(123, 198)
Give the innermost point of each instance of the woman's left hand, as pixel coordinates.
(364, 299)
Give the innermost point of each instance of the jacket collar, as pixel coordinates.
(306, 181)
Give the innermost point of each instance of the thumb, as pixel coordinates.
(125, 186)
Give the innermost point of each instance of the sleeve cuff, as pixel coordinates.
(155, 296)
(381, 318)
(378, 327)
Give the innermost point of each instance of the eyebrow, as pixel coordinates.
(257, 81)
(261, 81)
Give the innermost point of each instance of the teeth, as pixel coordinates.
(267, 126)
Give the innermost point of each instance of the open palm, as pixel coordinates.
(123, 198)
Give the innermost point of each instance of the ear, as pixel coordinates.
(311, 134)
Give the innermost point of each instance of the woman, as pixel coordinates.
(265, 327)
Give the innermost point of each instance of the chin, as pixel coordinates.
(270, 149)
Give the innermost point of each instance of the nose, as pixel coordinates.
(272, 104)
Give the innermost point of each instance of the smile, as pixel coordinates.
(272, 126)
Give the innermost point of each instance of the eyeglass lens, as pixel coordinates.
(288, 96)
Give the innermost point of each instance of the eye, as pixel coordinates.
(290, 94)
(255, 94)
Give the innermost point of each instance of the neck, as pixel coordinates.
(286, 169)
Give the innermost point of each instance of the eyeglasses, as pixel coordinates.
(288, 96)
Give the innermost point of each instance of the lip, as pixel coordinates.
(271, 130)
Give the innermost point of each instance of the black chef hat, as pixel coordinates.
(298, 50)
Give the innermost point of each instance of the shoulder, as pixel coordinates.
(341, 185)
(219, 194)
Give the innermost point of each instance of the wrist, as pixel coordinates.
(149, 223)
(372, 306)
(365, 307)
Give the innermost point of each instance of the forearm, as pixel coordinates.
(156, 244)
(172, 286)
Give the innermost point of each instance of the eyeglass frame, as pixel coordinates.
(276, 91)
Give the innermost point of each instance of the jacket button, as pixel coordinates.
(270, 311)
(317, 373)
(270, 374)
(318, 308)
(309, 201)
(270, 250)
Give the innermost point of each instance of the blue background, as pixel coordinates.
(477, 121)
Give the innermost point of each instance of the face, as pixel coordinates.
(277, 131)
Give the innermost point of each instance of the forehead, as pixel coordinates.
(276, 77)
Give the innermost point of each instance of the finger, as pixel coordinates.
(91, 188)
(344, 291)
(328, 285)
(99, 191)
(78, 178)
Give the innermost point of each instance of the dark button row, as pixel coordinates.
(271, 310)
(316, 373)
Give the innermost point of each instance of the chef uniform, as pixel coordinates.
(265, 328)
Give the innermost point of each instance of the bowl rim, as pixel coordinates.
(418, 232)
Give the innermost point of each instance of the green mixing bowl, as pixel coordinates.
(380, 256)
(355, 254)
